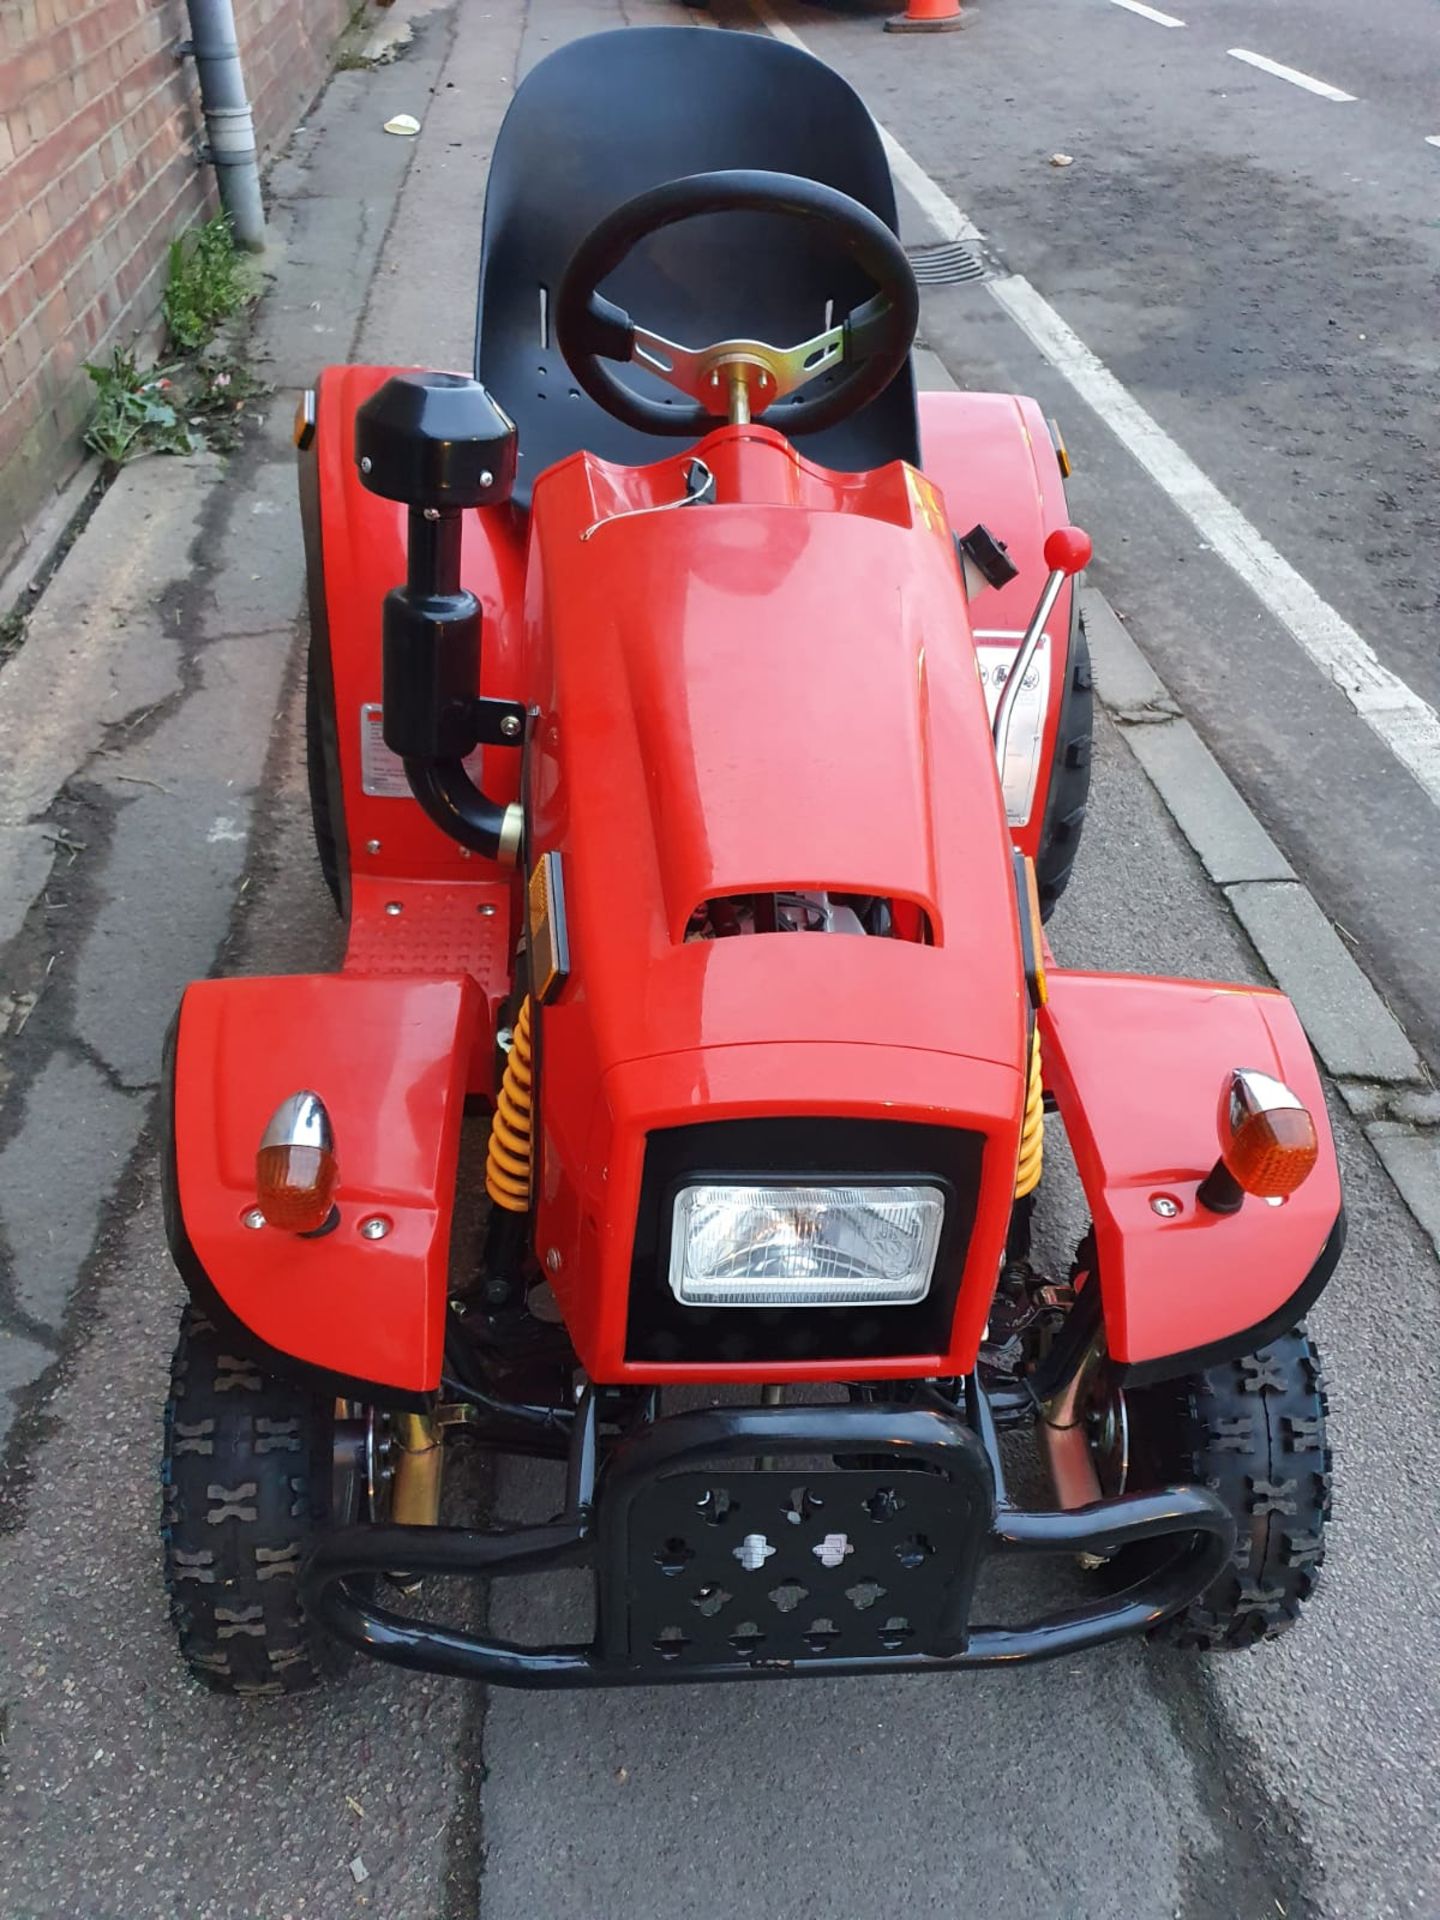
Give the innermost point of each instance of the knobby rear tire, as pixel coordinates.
(318, 772)
(1069, 791)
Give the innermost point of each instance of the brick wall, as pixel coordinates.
(99, 124)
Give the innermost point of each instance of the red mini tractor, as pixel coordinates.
(698, 739)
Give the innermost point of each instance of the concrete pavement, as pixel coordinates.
(1297, 1780)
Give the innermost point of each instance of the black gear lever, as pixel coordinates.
(439, 444)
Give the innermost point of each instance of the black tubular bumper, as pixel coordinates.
(709, 1567)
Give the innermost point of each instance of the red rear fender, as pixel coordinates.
(389, 1059)
(991, 456)
(1137, 1067)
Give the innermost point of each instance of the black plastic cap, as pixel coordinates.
(989, 553)
(435, 440)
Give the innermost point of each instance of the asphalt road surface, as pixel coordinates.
(1214, 223)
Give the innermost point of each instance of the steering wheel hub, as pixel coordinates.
(735, 379)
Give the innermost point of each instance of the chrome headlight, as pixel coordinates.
(776, 1244)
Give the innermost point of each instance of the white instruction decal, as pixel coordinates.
(382, 773)
(1027, 717)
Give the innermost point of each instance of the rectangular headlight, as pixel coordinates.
(775, 1244)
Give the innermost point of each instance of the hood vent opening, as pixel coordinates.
(810, 910)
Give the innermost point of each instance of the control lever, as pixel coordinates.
(438, 443)
(1067, 552)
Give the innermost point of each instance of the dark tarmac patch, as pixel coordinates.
(1262, 1868)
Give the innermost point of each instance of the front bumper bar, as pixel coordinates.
(706, 1571)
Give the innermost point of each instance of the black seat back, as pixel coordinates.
(602, 119)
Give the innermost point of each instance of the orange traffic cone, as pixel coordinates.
(927, 16)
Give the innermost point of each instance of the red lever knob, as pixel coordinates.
(1067, 550)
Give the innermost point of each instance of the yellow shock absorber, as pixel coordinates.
(509, 1160)
(1032, 1131)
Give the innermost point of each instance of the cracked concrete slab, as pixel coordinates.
(1412, 1160)
(1208, 810)
(99, 647)
(22, 1361)
(1127, 683)
(259, 584)
(181, 594)
(1349, 1025)
(1417, 1106)
(177, 854)
(356, 172)
(76, 1134)
(1412, 1106)
(27, 853)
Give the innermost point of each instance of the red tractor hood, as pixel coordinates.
(776, 691)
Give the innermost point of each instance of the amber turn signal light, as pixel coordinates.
(1268, 1143)
(303, 431)
(296, 1171)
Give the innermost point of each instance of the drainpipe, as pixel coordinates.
(228, 120)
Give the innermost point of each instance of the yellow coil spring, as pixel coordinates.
(1032, 1132)
(508, 1161)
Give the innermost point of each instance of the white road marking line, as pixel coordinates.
(1432, 139)
(1322, 87)
(772, 24)
(1408, 725)
(1149, 13)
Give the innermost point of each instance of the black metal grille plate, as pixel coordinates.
(947, 264)
(764, 1566)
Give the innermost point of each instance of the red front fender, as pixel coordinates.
(1137, 1067)
(389, 1059)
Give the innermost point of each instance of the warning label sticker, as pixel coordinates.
(382, 773)
(1027, 717)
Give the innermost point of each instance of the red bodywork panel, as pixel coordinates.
(389, 1058)
(776, 691)
(1137, 1067)
(456, 907)
(394, 1042)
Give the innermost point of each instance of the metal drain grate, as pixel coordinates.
(946, 264)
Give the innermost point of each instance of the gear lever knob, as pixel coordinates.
(1067, 551)
(435, 441)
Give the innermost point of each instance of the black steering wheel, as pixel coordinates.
(738, 378)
